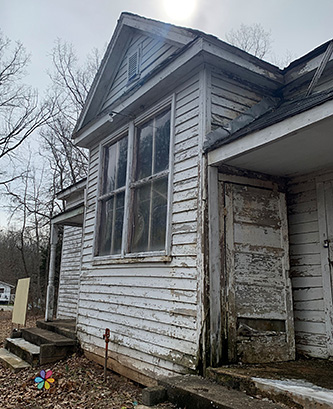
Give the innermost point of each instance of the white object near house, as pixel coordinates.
(5, 292)
(208, 210)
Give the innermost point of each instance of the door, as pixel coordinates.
(258, 297)
(325, 220)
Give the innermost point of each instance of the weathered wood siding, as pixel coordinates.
(70, 273)
(229, 99)
(305, 268)
(153, 52)
(150, 308)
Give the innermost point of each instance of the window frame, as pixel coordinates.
(130, 130)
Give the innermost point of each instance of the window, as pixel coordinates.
(151, 184)
(2, 290)
(112, 200)
(133, 206)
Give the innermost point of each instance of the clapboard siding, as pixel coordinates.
(305, 268)
(151, 308)
(154, 51)
(229, 100)
(70, 273)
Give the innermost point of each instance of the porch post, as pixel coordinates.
(50, 286)
(214, 267)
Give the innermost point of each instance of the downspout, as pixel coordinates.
(50, 286)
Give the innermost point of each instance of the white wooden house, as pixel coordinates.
(208, 205)
(5, 292)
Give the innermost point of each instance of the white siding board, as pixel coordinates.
(188, 184)
(173, 308)
(229, 100)
(176, 294)
(136, 336)
(185, 205)
(133, 323)
(305, 267)
(134, 358)
(69, 273)
(183, 146)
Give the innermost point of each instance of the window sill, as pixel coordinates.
(131, 259)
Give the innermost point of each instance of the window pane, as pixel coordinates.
(144, 153)
(110, 165)
(159, 214)
(141, 206)
(162, 142)
(122, 163)
(105, 227)
(150, 211)
(118, 223)
(115, 164)
(111, 225)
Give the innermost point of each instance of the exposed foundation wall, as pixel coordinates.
(70, 273)
(151, 308)
(306, 268)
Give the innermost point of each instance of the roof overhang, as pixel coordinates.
(297, 145)
(71, 217)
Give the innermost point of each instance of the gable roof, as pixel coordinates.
(127, 23)
(183, 39)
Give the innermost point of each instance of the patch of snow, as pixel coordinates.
(303, 392)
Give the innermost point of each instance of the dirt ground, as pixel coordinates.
(78, 384)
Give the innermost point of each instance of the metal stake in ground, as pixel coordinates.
(106, 337)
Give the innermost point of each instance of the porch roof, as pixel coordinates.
(295, 138)
(264, 115)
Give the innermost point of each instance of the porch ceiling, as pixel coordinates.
(298, 145)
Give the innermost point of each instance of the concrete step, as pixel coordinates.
(195, 392)
(284, 383)
(23, 349)
(12, 361)
(63, 327)
(53, 346)
(41, 336)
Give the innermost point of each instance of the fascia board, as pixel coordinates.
(270, 134)
(305, 67)
(171, 33)
(77, 187)
(224, 54)
(67, 215)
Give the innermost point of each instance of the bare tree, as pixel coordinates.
(29, 203)
(253, 39)
(70, 83)
(20, 113)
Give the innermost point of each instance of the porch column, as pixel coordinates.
(50, 286)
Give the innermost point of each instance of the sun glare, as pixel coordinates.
(180, 10)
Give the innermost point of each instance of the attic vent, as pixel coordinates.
(133, 65)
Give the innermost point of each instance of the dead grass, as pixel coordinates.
(79, 383)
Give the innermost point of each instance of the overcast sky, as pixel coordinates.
(296, 25)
